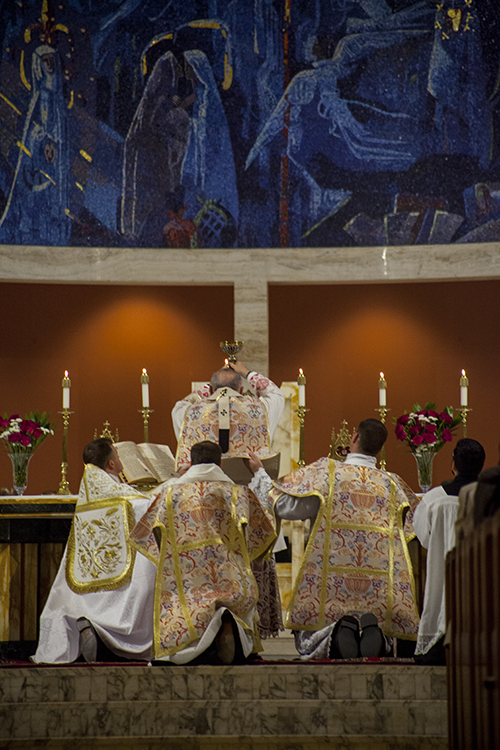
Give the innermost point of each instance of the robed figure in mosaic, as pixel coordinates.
(210, 530)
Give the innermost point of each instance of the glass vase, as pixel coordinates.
(20, 462)
(425, 459)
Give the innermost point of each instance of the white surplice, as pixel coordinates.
(434, 524)
(123, 618)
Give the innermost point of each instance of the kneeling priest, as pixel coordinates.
(355, 584)
(206, 595)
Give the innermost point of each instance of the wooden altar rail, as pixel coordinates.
(473, 611)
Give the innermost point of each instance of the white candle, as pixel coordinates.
(66, 385)
(145, 389)
(464, 387)
(382, 390)
(301, 380)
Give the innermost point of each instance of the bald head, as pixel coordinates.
(226, 378)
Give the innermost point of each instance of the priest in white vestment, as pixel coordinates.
(355, 584)
(103, 587)
(434, 524)
(206, 595)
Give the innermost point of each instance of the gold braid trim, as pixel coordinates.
(174, 551)
(332, 476)
(237, 530)
(409, 565)
(390, 586)
(305, 556)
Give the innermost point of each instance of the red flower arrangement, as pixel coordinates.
(426, 429)
(22, 435)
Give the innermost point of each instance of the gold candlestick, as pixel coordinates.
(64, 484)
(382, 410)
(463, 412)
(146, 411)
(301, 412)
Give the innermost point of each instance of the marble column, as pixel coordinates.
(251, 322)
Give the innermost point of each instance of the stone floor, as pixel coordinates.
(293, 705)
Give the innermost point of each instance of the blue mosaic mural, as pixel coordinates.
(249, 123)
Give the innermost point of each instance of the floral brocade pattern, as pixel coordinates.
(249, 429)
(210, 532)
(100, 556)
(356, 560)
(100, 544)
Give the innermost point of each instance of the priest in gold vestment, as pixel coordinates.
(222, 413)
(206, 595)
(356, 570)
(242, 424)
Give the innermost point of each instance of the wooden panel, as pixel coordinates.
(27, 572)
(473, 612)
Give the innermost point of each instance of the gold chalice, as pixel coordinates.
(231, 349)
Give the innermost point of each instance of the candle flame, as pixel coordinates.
(144, 371)
(226, 362)
(66, 373)
(301, 370)
(463, 373)
(381, 374)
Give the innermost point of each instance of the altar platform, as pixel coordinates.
(373, 705)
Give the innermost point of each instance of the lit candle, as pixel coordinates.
(464, 386)
(226, 363)
(145, 389)
(382, 390)
(301, 380)
(66, 385)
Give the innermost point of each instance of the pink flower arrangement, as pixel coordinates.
(426, 429)
(20, 434)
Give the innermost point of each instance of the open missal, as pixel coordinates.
(145, 463)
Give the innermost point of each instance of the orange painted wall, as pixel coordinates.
(104, 336)
(419, 335)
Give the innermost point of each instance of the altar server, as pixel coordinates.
(101, 602)
(355, 584)
(206, 595)
(434, 523)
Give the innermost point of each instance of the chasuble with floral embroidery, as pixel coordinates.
(210, 532)
(356, 560)
(247, 421)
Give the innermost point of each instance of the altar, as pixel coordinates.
(33, 533)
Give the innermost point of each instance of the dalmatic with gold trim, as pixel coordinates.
(100, 556)
(244, 416)
(356, 560)
(101, 577)
(210, 532)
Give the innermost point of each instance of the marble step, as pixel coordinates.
(288, 742)
(300, 701)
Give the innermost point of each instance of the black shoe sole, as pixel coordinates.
(346, 639)
(372, 641)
